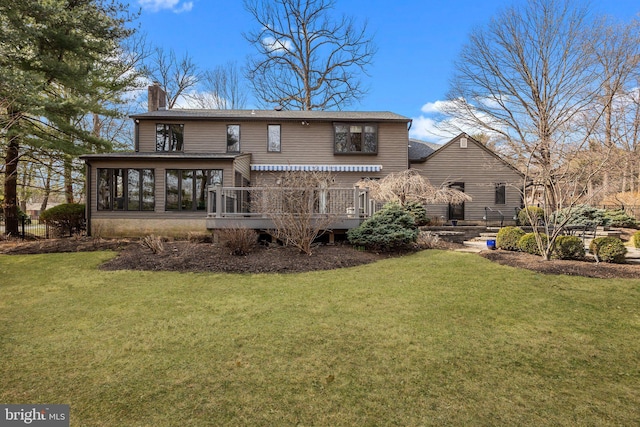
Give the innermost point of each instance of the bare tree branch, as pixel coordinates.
(305, 59)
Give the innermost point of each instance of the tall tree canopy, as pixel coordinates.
(57, 62)
(306, 59)
(543, 76)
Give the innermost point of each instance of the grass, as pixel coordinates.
(435, 338)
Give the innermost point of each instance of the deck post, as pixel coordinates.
(356, 201)
(218, 190)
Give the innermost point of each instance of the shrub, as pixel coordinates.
(619, 218)
(529, 244)
(608, 249)
(568, 247)
(388, 229)
(153, 242)
(534, 212)
(584, 215)
(508, 238)
(241, 241)
(67, 218)
(427, 240)
(418, 212)
(636, 239)
(199, 237)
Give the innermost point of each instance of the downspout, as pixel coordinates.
(408, 129)
(88, 199)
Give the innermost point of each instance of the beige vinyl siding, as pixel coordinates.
(479, 170)
(300, 144)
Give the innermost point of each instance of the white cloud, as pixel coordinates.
(273, 45)
(426, 129)
(434, 125)
(176, 6)
(434, 107)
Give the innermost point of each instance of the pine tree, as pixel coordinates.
(58, 59)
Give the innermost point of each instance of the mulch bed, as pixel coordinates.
(205, 257)
(586, 268)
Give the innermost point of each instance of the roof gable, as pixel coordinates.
(471, 140)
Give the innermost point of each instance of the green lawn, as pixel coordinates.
(435, 338)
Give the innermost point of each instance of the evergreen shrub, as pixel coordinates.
(390, 228)
(608, 249)
(619, 218)
(529, 244)
(508, 238)
(534, 212)
(418, 212)
(581, 215)
(568, 247)
(66, 218)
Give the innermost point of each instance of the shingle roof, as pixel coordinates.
(420, 150)
(196, 114)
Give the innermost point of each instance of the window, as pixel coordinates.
(126, 189)
(501, 194)
(273, 138)
(187, 188)
(233, 138)
(355, 139)
(169, 137)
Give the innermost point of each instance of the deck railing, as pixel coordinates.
(260, 202)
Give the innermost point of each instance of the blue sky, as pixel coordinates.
(417, 41)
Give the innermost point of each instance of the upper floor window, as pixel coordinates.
(273, 138)
(233, 138)
(169, 137)
(355, 138)
(126, 189)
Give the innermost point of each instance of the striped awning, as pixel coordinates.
(318, 168)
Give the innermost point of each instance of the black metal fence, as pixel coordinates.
(29, 228)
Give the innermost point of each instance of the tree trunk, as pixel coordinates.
(11, 179)
(68, 179)
(47, 189)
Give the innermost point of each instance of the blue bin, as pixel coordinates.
(491, 244)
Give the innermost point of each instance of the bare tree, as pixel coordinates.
(617, 52)
(298, 208)
(306, 59)
(175, 75)
(221, 89)
(534, 76)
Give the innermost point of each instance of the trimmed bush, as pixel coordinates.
(568, 247)
(418, 212)
(636, 239)
(619, 218)
(529, 245)
(66, 218)
(534, 212)
(390, 228)
(508, 238)
(608, 249)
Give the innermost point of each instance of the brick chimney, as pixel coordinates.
(157, 98)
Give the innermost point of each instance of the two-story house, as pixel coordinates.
(168, 184)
